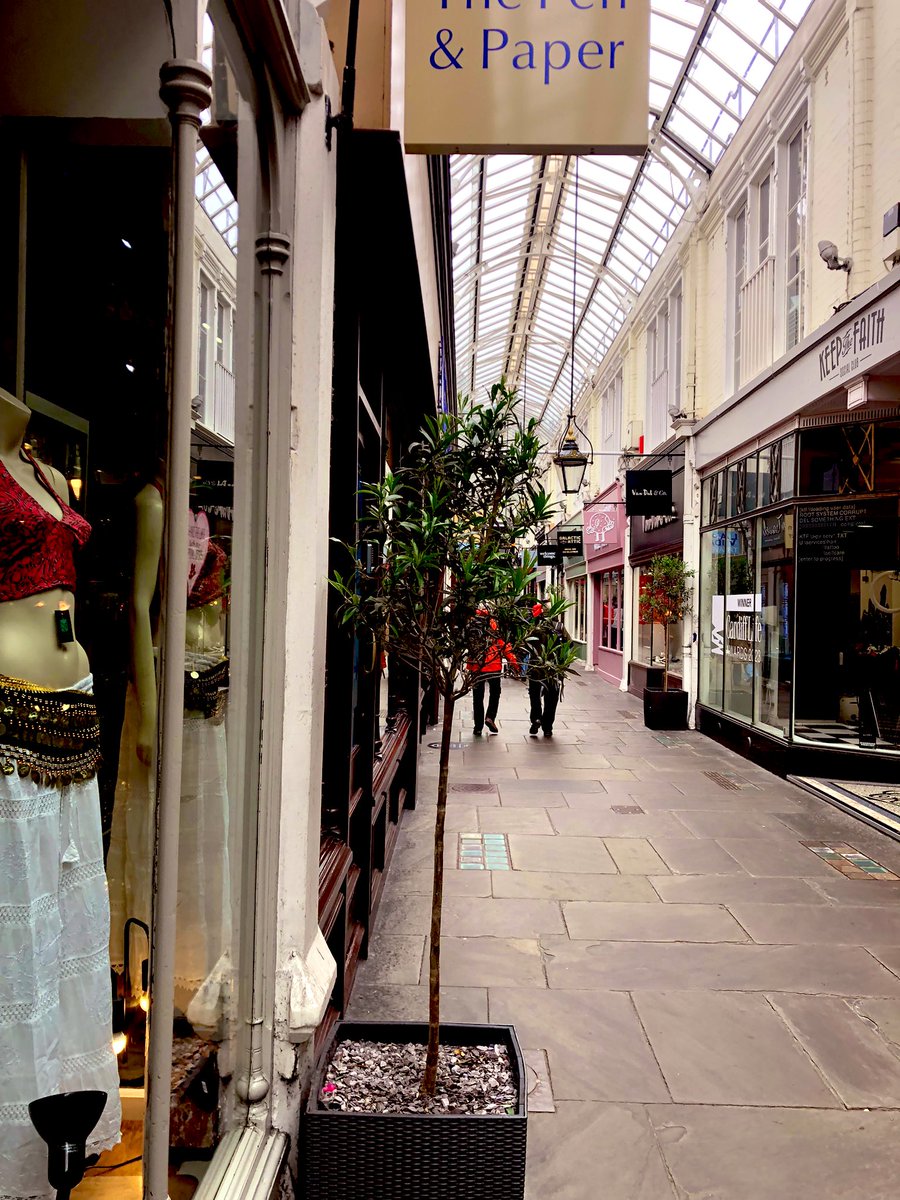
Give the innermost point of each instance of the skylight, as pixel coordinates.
(513, 215)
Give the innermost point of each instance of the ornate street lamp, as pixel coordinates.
(571, 461)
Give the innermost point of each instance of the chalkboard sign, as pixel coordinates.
(548, 556)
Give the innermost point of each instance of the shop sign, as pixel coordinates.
(600, 525)
(530, 76)
(548, 555)
(649, 494)
(661, 532)
(571, 542)
(848, 351)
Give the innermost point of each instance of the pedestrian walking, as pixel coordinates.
(543, 688)
(489, 668)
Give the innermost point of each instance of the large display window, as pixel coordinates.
(127, 518)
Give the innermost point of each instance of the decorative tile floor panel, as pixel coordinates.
(850, 862)
(483, 852)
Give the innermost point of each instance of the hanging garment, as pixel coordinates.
(55, 995)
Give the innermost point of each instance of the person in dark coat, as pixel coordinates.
(543, 690)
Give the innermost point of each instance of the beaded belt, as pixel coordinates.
(204, 689)
(51, 736)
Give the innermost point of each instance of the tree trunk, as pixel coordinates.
(437, 900)
(665, 657)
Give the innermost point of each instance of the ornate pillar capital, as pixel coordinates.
(185, 88)
(273, 250)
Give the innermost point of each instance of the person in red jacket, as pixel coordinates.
(489, 668)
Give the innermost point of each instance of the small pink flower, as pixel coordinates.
(329, 1088)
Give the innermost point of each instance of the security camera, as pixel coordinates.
(828, 252)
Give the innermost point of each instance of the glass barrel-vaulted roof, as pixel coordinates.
(514, 215)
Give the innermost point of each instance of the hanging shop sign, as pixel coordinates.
(531, 76)
(548, 556)
(648, 494)
(571, 542)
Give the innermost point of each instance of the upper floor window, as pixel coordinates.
(795, 237)
(610, 430)
(214, 402)
(663, 368)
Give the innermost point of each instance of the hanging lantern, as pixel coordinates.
(571, 462)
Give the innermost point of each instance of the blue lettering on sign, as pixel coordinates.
(554, 55)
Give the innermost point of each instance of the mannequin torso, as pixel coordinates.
(29, 648)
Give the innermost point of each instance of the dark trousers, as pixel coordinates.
(493, 682)
(544, 698)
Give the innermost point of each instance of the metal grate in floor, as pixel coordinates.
(665, 740)
(627, 809)
(474, 787)
(728, 780)
(850, 862)
(483, 852)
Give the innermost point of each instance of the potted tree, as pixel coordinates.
(665, 599)
(447, 580)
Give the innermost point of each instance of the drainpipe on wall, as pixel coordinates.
(861, 144)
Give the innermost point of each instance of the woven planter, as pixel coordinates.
(407, 1156)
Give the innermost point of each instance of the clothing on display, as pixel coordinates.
(51, 736)
(55, 999)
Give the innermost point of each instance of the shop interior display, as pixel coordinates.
(55, 1004)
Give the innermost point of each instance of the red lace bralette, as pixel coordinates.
(36, 548)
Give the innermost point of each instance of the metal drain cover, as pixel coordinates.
(728, 781)
(627, 809)
(473, 787)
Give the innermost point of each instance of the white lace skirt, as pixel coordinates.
(55, 996)
(203, 918)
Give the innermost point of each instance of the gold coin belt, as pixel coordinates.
(51, 736)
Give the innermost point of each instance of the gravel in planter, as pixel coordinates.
(385, 1077)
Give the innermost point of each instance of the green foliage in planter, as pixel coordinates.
(665, 598)
(448, 579)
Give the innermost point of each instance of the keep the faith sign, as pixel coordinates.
(531, 76)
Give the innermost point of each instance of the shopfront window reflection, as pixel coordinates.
(741, 621)
(774, 587)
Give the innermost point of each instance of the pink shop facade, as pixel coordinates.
(604, 541)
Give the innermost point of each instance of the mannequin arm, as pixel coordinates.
(148, 547)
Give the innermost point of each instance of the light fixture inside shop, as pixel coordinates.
(571, 461)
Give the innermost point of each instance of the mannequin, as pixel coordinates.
(55, 999)
(203, 920)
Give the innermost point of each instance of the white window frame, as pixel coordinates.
(610, 430)
(577, 614)
(664, 358)
(798, 127)
(209, 349)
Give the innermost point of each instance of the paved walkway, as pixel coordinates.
(719, 1007)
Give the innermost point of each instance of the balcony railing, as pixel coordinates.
(220, 410)
(757, 313)
(658, 416)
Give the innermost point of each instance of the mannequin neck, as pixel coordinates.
(14, 418)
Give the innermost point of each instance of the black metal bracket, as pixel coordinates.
(331, 123)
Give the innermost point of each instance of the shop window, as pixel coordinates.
(742, 632)
(649, 644)
(774, 588)
(612, 587)
(576, 617)
(712, 616)
(738, 277)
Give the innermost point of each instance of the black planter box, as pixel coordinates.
(665, 710)
(407, 1156)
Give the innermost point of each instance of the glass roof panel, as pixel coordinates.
(514, 228)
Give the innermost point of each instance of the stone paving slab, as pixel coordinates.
(594, 1041)
(514, 820)
(572, 885)
(638, 966)
(384, 1002)
(533, 852)
(732, 889)
(634, 856)
(587, 920)
(860, 1065)
(696, 856)
(795, 924)
(599, 820)
(727, 1048)
(590, 1151)
(495, 962)
(779, 1154)
(467, 916)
